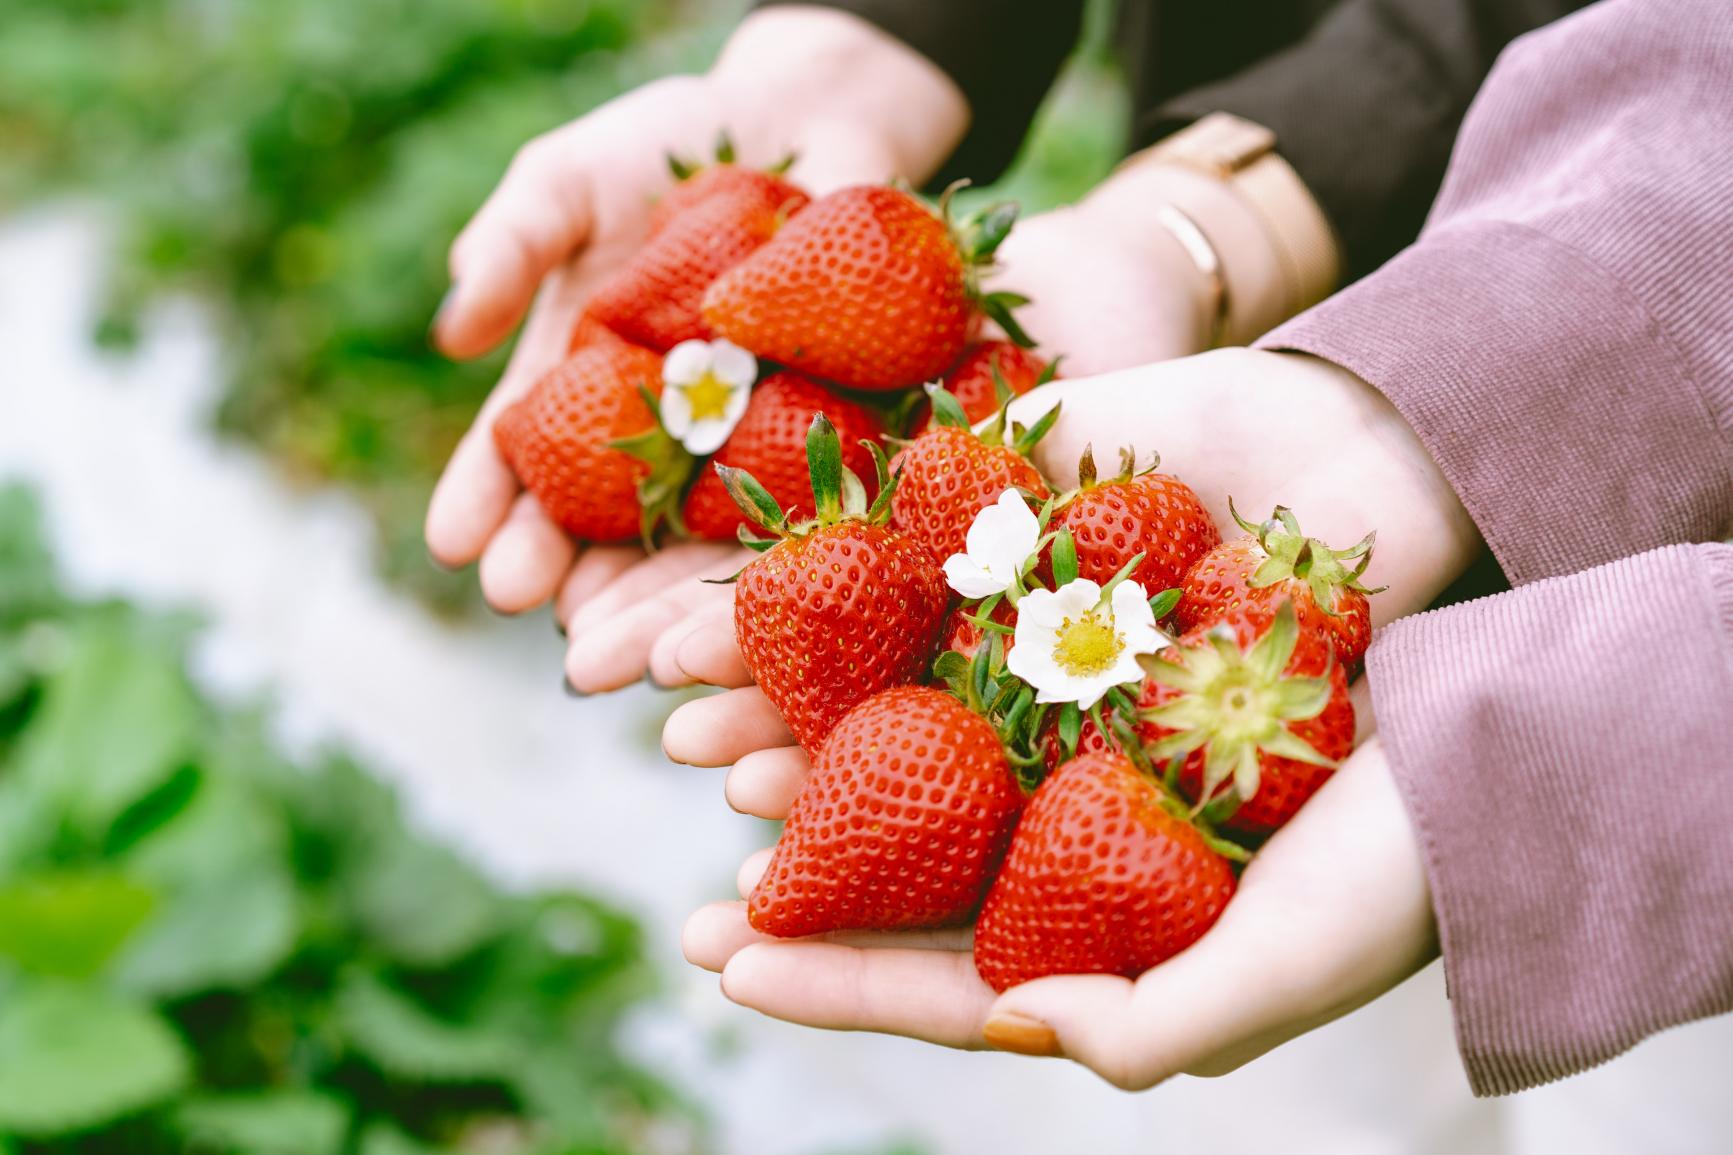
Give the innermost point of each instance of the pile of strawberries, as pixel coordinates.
(1000, 729)
(750, 309)
(1069, 715)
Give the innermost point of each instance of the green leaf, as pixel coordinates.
(27, 581)
(266, 1123)
(70, 924)
(381, 1138)
(423, 905)
(824, 460)
(228, 931)
(73, 1057)
(117, 719)
(1163, 603)
(947, 410)
(754, 500)
(1064, 559)
(406, 1041)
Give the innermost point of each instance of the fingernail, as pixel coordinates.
(1021, 1035)
(571, 690)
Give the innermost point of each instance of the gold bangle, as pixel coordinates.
(1203, 254)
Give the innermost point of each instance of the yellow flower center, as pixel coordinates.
(1087, 646)
(708, 397)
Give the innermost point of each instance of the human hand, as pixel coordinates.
(1264, 428)
(850, 102)
(1333, 912)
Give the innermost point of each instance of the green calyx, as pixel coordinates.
(1088, 475)
(1000, 429)
(838, 494)
(684, 168)
(978, 237)
(1235, 706)
(1291, 555)
(671, 467)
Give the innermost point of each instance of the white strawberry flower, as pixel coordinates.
(1000, 540)
(1076, 643)
(706, 385)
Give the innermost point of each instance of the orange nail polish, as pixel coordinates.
(1021, 1035)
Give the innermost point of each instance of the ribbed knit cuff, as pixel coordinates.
(1566, 753)
(1558, 411)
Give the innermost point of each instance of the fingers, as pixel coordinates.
(473, 497)
(724, 728)
(607, 652)
(538, 216)
(716, 933)
(651, 576)
(933, 995)
(751, 870)
(523, 563)
(764, 782)
(701, 649)
(599, 565)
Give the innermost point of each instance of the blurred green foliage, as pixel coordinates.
(207, 947)
(303, 167)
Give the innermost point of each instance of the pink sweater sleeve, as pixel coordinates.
(1561, 338)
(1566, 753)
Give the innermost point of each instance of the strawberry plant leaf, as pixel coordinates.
(225, 932)
(1064, 557)
(947, 410)
(70, 923)
(265, 1123)
(824, 460)
(753, 499)
(1164, 603)
(420, 902)
(406, 1041)
(117, 719)
(73, 1057)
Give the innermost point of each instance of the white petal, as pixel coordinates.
(1076, 598)
(739, 395)
(1034, 663)
(1039, 611)
(706, 437)
(1003, 535)
(1133, 618)
(676, 412)
(686, 362)
(732, 364)
(965, 576)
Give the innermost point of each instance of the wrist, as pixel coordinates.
(804, 78)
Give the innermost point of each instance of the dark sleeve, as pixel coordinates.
(1366, 105)
(1003, 54)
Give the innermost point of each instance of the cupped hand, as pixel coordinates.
(1333, 912)
(1262, 428)
(852, 105)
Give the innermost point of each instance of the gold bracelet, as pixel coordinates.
(1203, 254)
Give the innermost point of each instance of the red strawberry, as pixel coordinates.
(559, 439)
(867, 287)
(840, 607)
(1252, 576)
(965, 637)
(1104, 876)
(971, 381)
(654, 298)
(1154, 514)
(694, 184)
(950, 473)
(1259, 712)
(901, 824)
(770, 443)
(589, 331)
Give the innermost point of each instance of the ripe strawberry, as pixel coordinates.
(1104, 876)
(589, 331)
(770, 443)
(950, 473)
(696, 183)
(1259, 711)
(965, 637)
(840, 607)
(654, 298)
(867, 287)
(901, 824)
(559, 439)
(972, 383)
(1154, 514)
(1251, 576)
